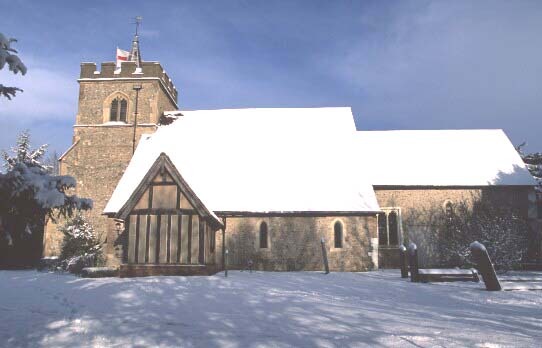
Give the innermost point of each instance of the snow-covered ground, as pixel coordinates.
(263, 309)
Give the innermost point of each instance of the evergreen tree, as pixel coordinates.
(51, 162)
(22, 153)
(29, 194)
(450, 232)
(500, 228)
(79, 239)
(534, 164)
(533, 161)
(14, 63)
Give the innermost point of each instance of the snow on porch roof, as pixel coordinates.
(478, 157)
(259, 160)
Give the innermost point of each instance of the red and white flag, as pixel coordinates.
(122, 56)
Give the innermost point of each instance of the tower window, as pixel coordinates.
(119, 107)
(263, 236)
(338, 235)
(114, 110)
(123, 107)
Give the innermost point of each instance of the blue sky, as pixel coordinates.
(398, 64)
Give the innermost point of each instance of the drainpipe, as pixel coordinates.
(136, 88)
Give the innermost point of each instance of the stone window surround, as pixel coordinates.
(269, 244)
(341, 239)
(332, 239)
(387, 211)
(118, 114)
(260, 225)
(448, 203)
(106, 107)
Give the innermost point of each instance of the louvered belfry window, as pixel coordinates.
(119, 107)
(114, 110)
(122, 113)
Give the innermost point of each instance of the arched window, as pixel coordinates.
(393, 228)
(338, 234)
(114, 110)
(263, 236)
(382, 229)
(449, 210)
(389, 229)
(119, 107)
(123, 107)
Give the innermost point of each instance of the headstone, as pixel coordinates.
(324, 254)
(485, 267)
(76, 264)
(226, 263)
(413, 262)
(403, 261)
(99, 272)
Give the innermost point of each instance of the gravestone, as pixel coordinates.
(324, 255)
(403, 261)
(485, 267)
(413, 262)
(226, 263)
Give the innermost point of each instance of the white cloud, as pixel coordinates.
(447, 65)
(48, 94)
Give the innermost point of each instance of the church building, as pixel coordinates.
(180, 192)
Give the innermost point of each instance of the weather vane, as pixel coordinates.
(137, 22)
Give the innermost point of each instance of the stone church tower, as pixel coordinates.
(116, 106)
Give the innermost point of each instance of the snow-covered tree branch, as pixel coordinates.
(534, 164)
(450, 232)
(29, 193)
(15, 64)
(81, 245)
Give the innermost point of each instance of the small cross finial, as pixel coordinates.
(137, 23)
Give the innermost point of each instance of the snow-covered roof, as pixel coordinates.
(259, 160)
(441, 158)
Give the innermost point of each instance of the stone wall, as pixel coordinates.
(294, 243)
(94, 101)
(416, 203)
(425, 197)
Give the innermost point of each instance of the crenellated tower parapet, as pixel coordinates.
(129, 70)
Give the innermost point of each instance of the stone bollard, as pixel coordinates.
(403, 261)
(413, 262)
(485, 267)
